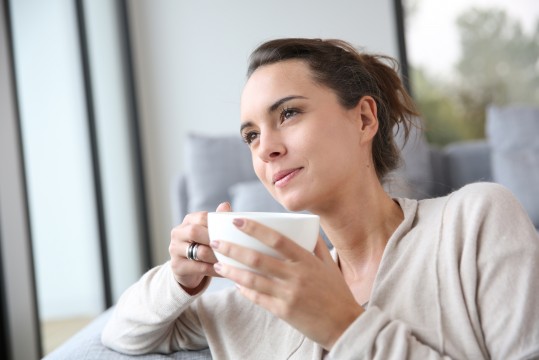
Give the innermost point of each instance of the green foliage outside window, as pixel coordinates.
(499, 65)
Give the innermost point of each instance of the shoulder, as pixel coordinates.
(484, 192)
(483, 209)
(472, 199)
(486, 199)
(478, 194)
(481, 199)
(491, 209)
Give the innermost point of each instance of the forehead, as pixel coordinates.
(273, 81)
(295, 69)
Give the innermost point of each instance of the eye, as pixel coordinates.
(249, 137)
(288, 113)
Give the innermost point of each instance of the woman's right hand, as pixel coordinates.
(190, 273)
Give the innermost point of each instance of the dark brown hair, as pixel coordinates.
(352, 75)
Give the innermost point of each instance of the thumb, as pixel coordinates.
(224, 206)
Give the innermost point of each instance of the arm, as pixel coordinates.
(158, 313)
(508, 278)
(154, 315)
(375, 336)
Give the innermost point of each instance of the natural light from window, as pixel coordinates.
(467, 54)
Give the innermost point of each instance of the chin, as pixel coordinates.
(293, 208)
(294, 204)
(294, 200)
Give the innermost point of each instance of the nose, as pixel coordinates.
(270, 146)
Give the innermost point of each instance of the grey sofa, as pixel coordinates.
(218, 168)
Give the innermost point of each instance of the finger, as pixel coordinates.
(267, 301)
(185, 267)
(182, 236)
(192, 233)
(264, 300)
(322, 252)
(283, 245)
(200, 218)
(246, 278)
(224, 206)
(188, 268)
(256, 260)
(203, 253)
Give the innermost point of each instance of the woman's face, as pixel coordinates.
(306, 148)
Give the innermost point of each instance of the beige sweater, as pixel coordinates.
(459, 279)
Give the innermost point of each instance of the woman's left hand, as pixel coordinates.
(306, 291)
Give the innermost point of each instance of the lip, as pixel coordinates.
(281, 178)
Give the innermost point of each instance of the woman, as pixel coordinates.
(452, 277)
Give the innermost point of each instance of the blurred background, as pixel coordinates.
(97, 97)
(467, 54)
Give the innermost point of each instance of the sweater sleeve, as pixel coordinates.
(375, 336)
(508, 277)
(154, 315)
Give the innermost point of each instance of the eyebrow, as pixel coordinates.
(279, 102)
(273, 107)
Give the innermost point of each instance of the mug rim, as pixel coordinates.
(253, 214)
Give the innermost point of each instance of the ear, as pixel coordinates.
(367, 114)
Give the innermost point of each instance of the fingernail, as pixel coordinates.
(217, 267)
(214, 244)
(238, 222)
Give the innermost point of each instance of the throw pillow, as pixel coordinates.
(414, 179)
(513, 134)
(253, 196)
(212, 165)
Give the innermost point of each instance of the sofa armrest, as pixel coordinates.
(86, 344)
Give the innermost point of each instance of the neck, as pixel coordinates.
(360, 229)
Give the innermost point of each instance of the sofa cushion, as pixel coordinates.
(253, 196)
(212, 165)
(414, 179)
(513, 134)
(86, 345)
(466, 162)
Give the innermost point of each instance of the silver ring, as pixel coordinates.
(195, 252)
(192, 250)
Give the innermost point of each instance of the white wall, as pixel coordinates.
(191, 58)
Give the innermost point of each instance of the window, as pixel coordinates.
(467, 54)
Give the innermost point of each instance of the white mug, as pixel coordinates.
(303, 229)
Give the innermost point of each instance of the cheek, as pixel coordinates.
(335, 151)
(259, 169)
(261, 172)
